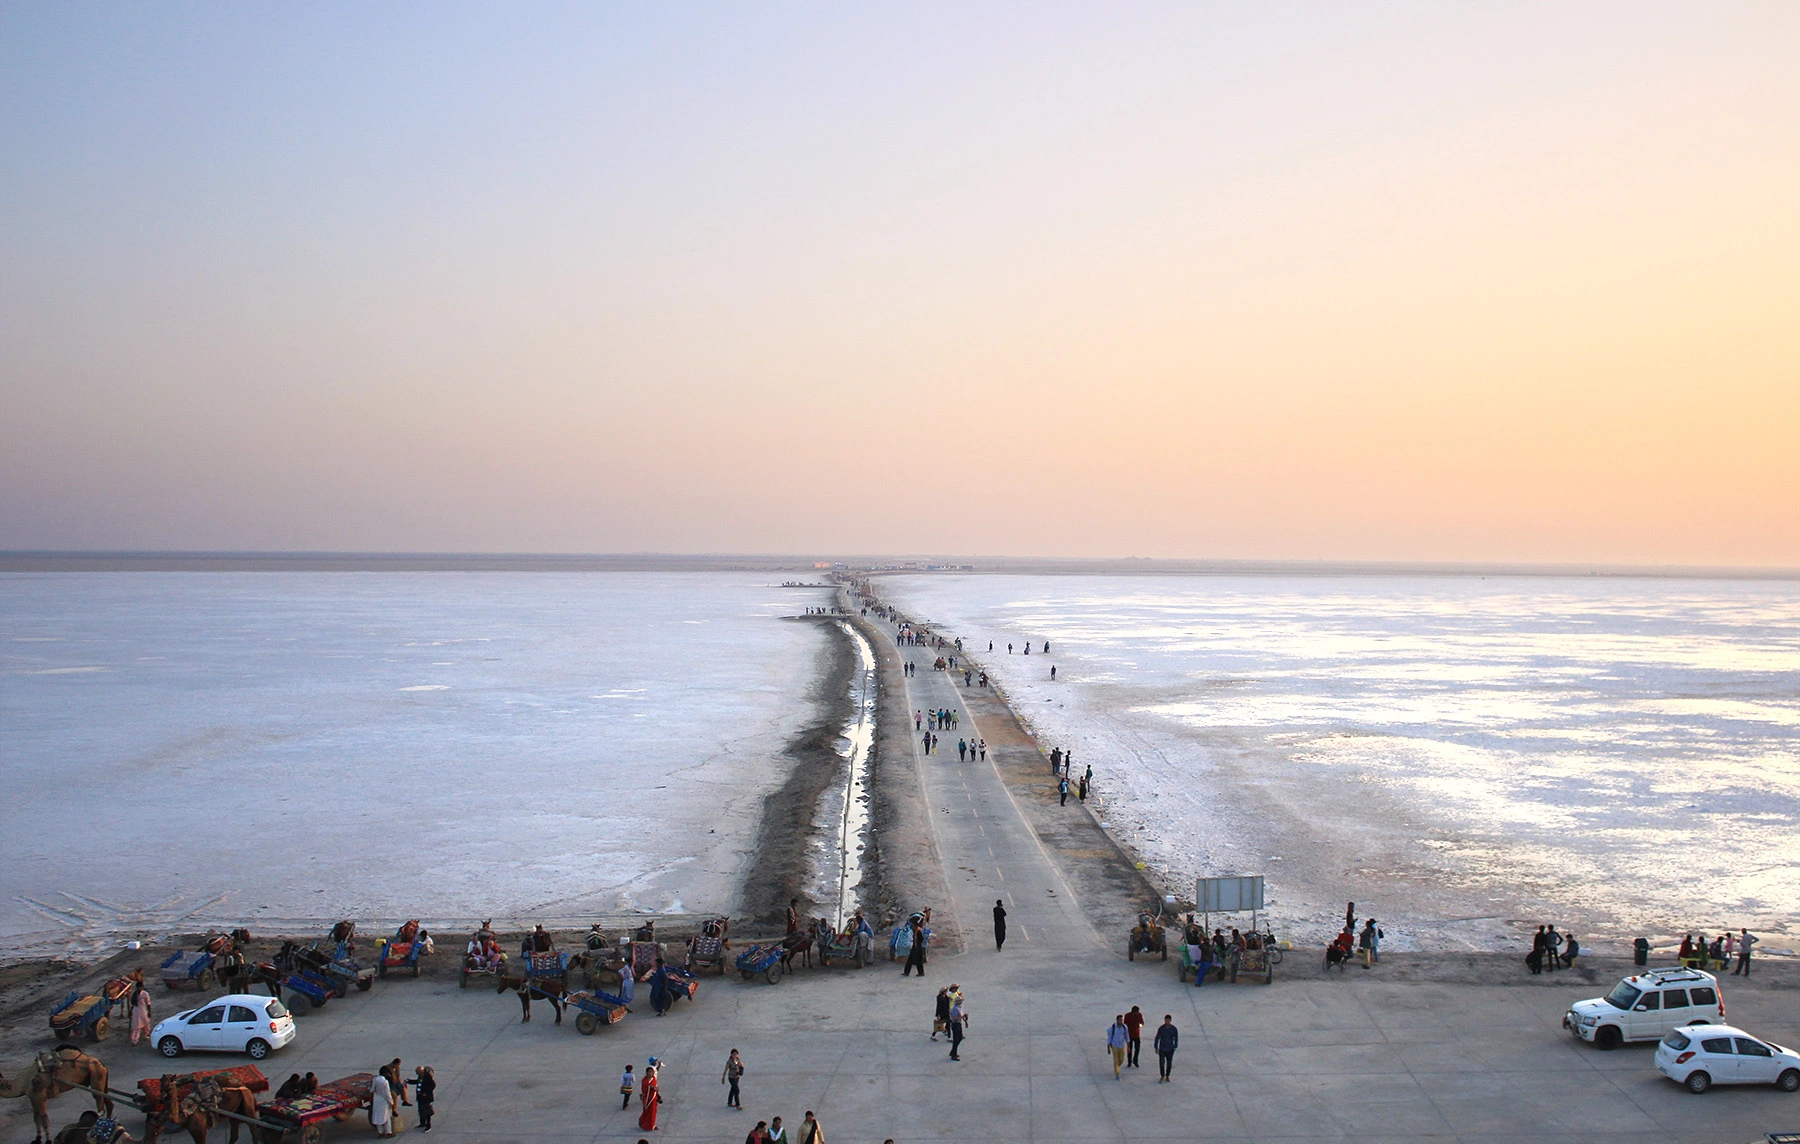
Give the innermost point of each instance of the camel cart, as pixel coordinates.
(162, 1107)
(334, 1102)
(595, 1009)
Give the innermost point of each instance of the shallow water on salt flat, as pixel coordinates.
(1462, 755)
(186, 748)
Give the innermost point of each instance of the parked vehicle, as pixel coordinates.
(1700, 1056)
(234, 1023)
(1647, 1006)
(403, 950)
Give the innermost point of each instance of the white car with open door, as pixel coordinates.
(235, 1023)
(1700, 1056)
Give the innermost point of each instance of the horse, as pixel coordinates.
(516, 977)
(800, 944)
(61, 1070)
(198, 1109)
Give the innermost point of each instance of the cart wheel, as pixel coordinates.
(364, 984)
(102, 1027)
(586, 1023)
(206, 980)
(299, 1004)
(773, 974)
(312, 1135)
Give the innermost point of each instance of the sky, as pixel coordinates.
(1391, 281)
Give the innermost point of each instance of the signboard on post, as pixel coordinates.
(1228, 895)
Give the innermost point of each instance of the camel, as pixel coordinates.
(197, 1109)
(53, 1073)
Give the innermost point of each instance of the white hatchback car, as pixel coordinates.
(1701, 1056)
(1647, 1005)
(236, 1023)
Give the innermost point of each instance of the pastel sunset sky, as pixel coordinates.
(1393, 281)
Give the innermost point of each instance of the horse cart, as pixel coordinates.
(1147, 938)
(709, 948)
(763, 960)
(189, 967)
(403, 950)
(335, 965)
(336, 1101)
(305, 990)
(595, 1009)
(90, 1015)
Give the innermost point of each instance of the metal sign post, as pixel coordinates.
(1229, 895)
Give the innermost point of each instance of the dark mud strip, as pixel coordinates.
(901, 863)
(782, 867)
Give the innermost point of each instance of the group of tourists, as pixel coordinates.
(1124, 1042)
(967, 751)
(1551, 950)
(387, 1095)
(1698, 953)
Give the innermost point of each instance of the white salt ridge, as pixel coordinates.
(1464, 756)
(288, 748)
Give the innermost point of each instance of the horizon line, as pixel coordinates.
(124, 560)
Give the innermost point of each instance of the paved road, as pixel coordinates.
(988, 851)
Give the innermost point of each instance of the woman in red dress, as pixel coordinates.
(650, 1098)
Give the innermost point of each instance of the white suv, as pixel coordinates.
(1646, 1006)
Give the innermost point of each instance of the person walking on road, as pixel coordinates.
(734, 1072)
(777, 1134)
(759, 1134)
(1745, 940)
(810, 1132)
(1134, 1028)
(999, 925)
(959, 1020)
(627, 1086)
(1116, 1039)
(1165, 1042)
(940, 1020)
(962, 749)
(1062, 787)
(981, 745)
(915, 957)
